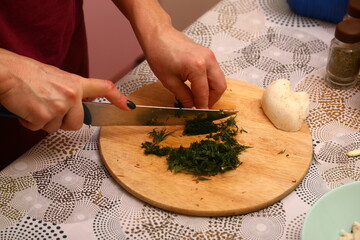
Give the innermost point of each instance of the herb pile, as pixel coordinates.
(216, 154)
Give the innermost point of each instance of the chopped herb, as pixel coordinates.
(243, 130)
(206, 158)
(282, 151)
(179, 113)
(217, 154)
(159, 136)
(201, 179)
(154, 147)
(199, 125)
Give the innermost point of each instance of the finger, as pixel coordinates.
(200, 89)
(53, 125)
(73, 120)
(217, 84)
(37, 121)
(93, 88)
(31, 126)
(181, 91)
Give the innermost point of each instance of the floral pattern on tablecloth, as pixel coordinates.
(335, 167)
(332, 111)
(267, 57)
(54, 148)
(31, 228)
(17, 194)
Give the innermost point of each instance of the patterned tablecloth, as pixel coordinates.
(60, 189)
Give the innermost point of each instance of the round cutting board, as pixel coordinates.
(270, 170)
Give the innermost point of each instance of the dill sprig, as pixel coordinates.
(154, 147)
(159, 136)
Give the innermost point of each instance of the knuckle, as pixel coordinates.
(199, 64)
(222, 87)
(76, 79)
(38, 119)
(109, 85)
(74, 91)
(59, 108)
(29, 125)
(210, 54)
(46, 117)
(71, 94)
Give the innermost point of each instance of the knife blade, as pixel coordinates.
(106, 114)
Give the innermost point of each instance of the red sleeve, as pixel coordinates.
(50, 31)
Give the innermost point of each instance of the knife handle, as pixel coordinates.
(87, 115)
(6, 113)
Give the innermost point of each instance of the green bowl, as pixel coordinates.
(336, 210)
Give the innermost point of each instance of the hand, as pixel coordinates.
(47, 98)
(174, 58)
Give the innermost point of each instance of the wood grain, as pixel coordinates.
(271, 169)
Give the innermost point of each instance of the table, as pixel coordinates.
(60, 189)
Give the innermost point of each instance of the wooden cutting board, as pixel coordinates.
(271, 169)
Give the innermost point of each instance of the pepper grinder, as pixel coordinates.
(344, 55)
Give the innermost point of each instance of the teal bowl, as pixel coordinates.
(336, 210)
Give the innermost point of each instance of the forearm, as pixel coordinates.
(147, 18)
(173, 57)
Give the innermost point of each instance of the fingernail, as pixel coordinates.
(130, 104)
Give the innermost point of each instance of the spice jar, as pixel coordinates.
(353, 10)
(344, 55)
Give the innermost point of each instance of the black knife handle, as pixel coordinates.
(87, 115)
(6, 113)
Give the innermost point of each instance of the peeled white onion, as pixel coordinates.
(285, 108)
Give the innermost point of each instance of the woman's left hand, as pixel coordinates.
(174, 59)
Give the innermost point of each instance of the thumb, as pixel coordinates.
(93, 88)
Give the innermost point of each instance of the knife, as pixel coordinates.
(106, 114)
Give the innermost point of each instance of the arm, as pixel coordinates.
(47, 98)
(173, 57)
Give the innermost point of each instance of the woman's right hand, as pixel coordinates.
(45, 97)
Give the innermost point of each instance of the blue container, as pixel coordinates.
(328, 10)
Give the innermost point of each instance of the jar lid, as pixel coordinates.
(348, 31)
(354, 8)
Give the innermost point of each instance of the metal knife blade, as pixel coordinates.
(105, 114)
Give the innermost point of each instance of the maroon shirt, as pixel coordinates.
(50, 31)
